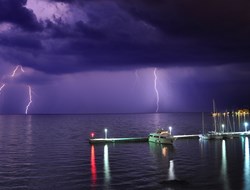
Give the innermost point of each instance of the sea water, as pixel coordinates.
(52, 152)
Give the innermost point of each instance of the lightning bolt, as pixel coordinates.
(21, 69)
(29, 87)
(1, 88)
(156, 91)
(137, 78)
(30, 100)
(15, 70)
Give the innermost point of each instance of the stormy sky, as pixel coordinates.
(99, 56)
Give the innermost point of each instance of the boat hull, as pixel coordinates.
(210, 136)
(165, 140)
(205, 137)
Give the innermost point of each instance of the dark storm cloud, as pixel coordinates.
(13, 11)
(89, 32)
(20, 41)
(79, 31)
(133, 34)
(59, 30)
(222, 25)
(207, 18)
(211, 32)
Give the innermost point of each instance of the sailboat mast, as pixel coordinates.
(214, 116)
(203, 132)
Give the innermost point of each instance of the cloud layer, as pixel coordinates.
(103, 35)
(202, 45)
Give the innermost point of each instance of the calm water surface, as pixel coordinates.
(52, 152)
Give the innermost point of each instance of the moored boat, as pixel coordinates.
(211, 135)
(161, 136)
(214, 135)
(205, 137)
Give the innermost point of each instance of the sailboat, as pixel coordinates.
(204, 136)
(211, 134)
(214, 134)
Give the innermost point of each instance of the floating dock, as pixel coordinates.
(145, 139)
(133, 139)
(196, 136)
(225, 135)
(117, 140)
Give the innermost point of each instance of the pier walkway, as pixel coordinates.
(195, 136)
(133, 139)
(145, 139)
(117, 140)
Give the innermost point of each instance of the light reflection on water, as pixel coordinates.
(28, 134)
(52, 152)
(224, 174)
(171, 174)
(246, 165)
(93, 166)
(106, 166)
(163, 155)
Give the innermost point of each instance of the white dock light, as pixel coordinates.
(170, 130)
(245, 124)
(223, 126)
(106, 131)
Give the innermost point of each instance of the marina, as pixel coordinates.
(226, 135)
(226, 125)
(161, 136)
(135, 139)
(234, 121)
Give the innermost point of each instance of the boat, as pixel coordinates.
(215, 135)
(212, 134)
(227, 136)
(204, 136)
(161, 136)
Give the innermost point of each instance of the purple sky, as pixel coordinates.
(98, 56)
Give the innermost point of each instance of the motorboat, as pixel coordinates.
(205, 137)
(211, 135)
(161, 136)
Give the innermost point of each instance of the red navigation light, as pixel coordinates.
(92, 134)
